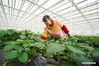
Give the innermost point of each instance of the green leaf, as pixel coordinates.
(87, 47)
(54, 48)
(11, 54)
(75, 50)
(9, 47)
(22, 37)
(27, 50)
(23, 57)
(12, 42)
(40, 46)
(18, 48)
(79, 58)
(24, 42)
(32, 45)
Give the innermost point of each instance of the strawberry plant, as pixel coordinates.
(23, 45)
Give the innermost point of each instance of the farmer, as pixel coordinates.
(54, 28)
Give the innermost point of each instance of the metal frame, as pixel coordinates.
(84, 20)
(35, 10)
(53, 12)
(44, 9)
(62, 14)
(91, 4)
(82, 14)
(1, 2)
(17, 9)
(84, 8)
(9, 10)
(2, 18)
(22, 4)
(29, 8)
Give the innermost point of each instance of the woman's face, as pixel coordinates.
(48, 22)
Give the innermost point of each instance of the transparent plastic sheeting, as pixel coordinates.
(80, 16)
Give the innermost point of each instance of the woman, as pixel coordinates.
(54, 28)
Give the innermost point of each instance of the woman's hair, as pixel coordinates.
(46, 17)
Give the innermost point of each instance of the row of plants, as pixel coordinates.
(23, 45)
(91, 40)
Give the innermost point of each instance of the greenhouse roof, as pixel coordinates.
(80, 16)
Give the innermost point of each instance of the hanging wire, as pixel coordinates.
(82, 21)
(9, 10)
(1, 2)
(14, 4)
(49, 8)
(42, 12)
(16, 9)
(2, 18)
(76, 24)
(83, 8)
(13, 15)
(82, 15)
(59, 6)
(83, 11)
(21, 6)
(69, 6)
(97, 9)
(52, 8)
(35, 10)
(66, 8)
(30, 6)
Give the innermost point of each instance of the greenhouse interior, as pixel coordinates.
(49, 32)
